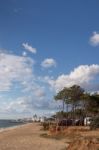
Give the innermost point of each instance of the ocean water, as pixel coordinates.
(9, 123)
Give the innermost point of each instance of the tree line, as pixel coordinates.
(77, 102)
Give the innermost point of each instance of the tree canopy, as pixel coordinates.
(80, 101)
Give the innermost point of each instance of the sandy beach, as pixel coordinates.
(27, 137)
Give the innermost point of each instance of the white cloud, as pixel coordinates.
(17, 105)
(48, 62)
(14, 69)
(39, 92)
(94, 39)
(81, 75)
(29, 105)
(32, 98)
(17, 71)
(29, 48)
(24, 54)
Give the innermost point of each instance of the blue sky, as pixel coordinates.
(45, 46)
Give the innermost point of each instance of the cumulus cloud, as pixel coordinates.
(29, 48)
(14, 69)
(39, 92)
(29, 104)
(94, 39)
(48, 62)
(17, 73)
(16, 106)
(82, 75)
(18, 70)
(34, 92)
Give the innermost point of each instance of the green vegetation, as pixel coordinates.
(78, 103)
(71, 97)
(94, 123)
(45, 125)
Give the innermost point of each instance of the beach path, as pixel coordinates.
(28, 137)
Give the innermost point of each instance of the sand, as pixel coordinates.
(84, 144)
(27, 137)
(82, 138)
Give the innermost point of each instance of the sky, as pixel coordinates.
(45, 46)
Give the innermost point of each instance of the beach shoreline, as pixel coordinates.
(27, 137)
(12, 127)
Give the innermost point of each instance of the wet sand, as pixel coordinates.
(27, 137)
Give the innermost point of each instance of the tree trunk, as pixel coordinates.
(63, 105)
(67, 109)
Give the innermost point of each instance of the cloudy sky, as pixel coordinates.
(45, 46)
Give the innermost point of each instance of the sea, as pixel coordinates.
(9, 123)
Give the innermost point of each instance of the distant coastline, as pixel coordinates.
(9, 123)
(12, 127)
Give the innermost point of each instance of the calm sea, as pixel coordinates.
(9, 123)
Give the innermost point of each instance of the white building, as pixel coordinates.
(87, 121)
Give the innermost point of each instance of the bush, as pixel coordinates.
(46, 125)
(94, 123)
